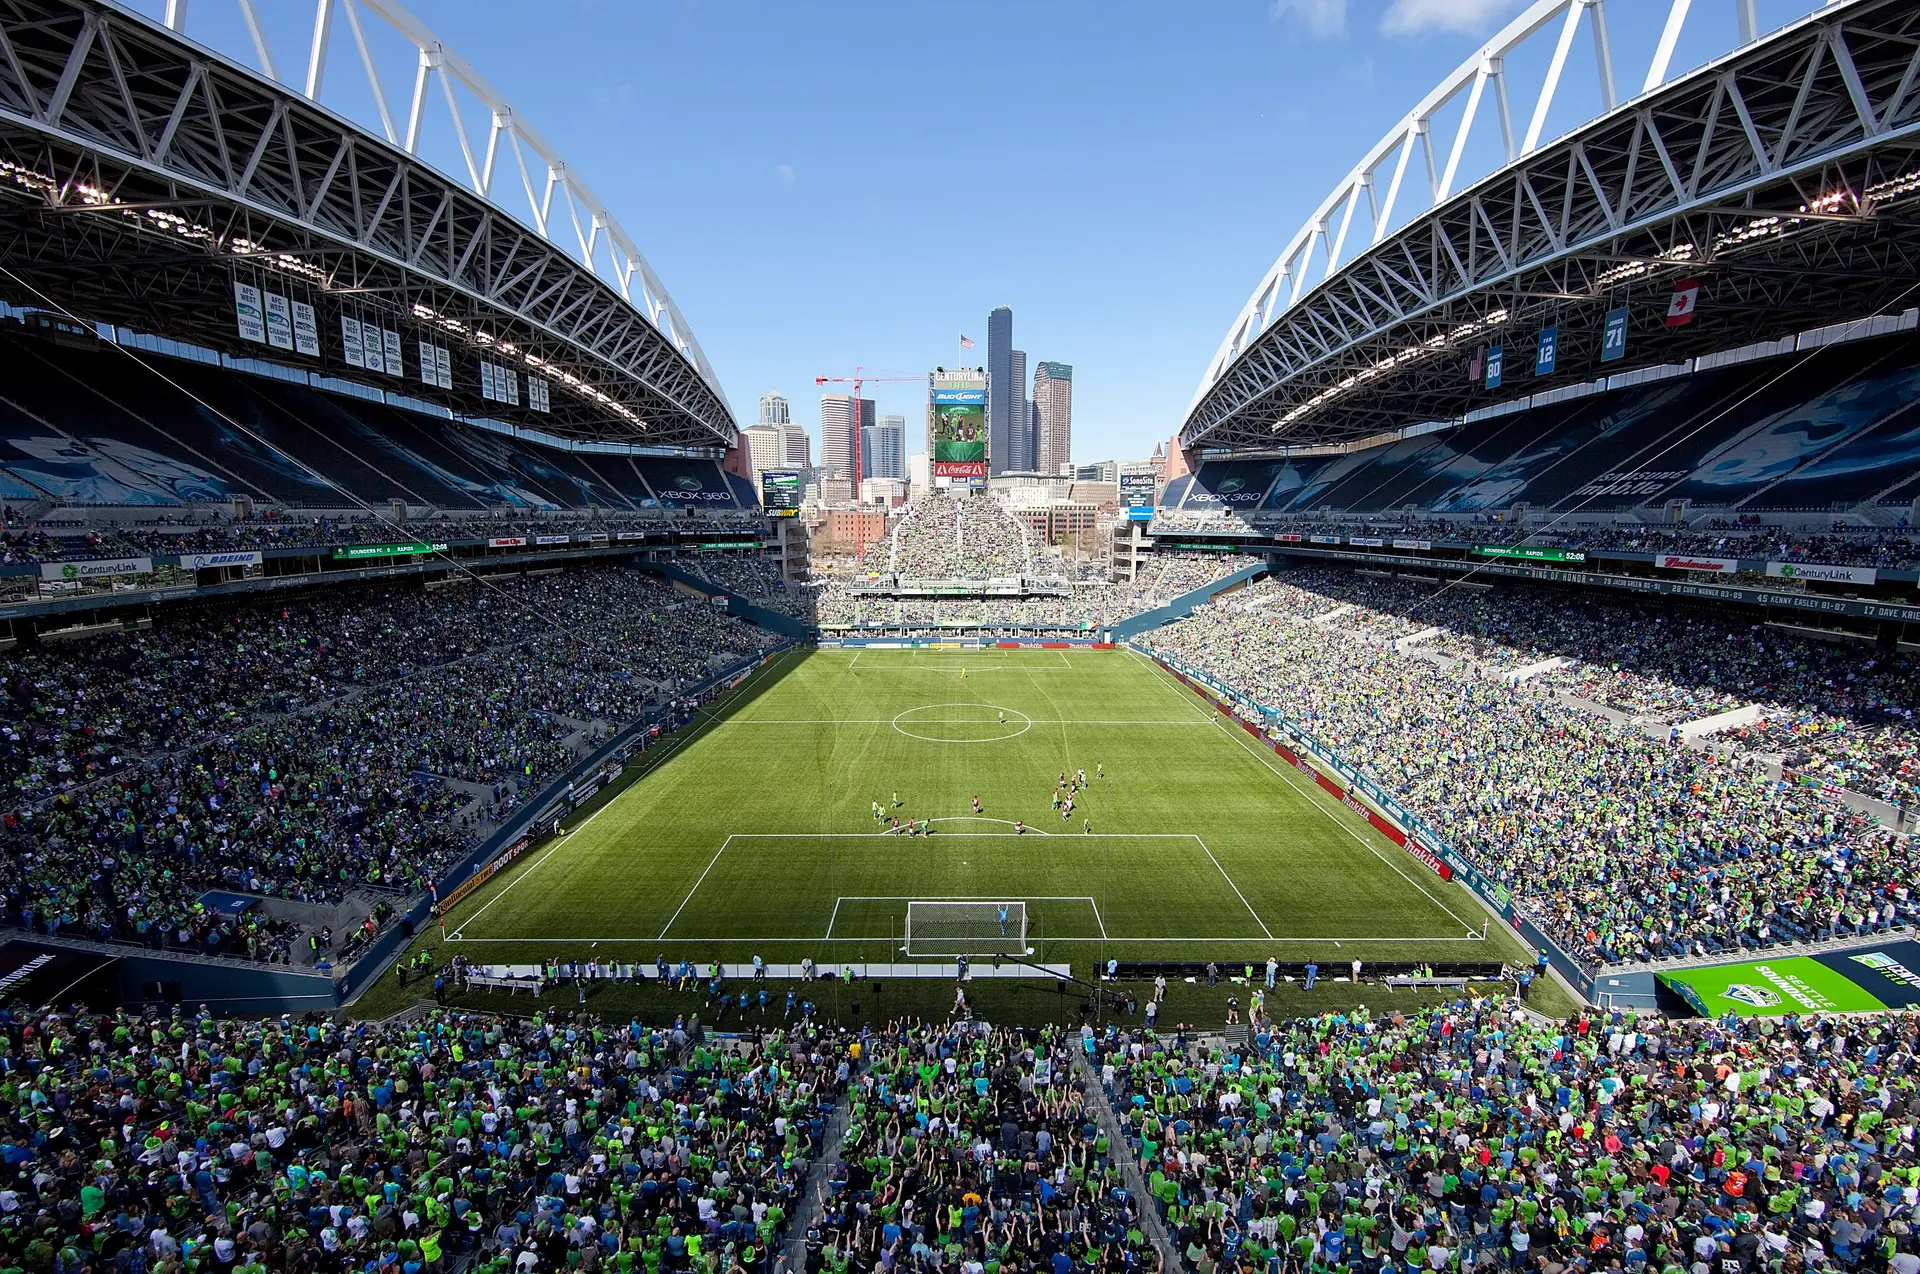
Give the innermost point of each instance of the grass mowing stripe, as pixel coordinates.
(1260, 755)
(739, 838)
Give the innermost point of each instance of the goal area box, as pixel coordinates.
(947, 928)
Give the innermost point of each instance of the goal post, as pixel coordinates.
(974, 927)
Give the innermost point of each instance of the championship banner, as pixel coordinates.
(1861, 980)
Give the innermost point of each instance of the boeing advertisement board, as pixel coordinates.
(957, 426)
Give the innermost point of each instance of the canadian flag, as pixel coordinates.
(1686, 297)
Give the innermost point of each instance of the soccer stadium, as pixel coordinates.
(471, 809)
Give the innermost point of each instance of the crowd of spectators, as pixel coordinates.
(1091, 603)
(1746, 538)
(175, 1143)
(1477, 1136)
(758, 579)
(70, 535)
(970, 1148)
(1623, 846)
(943, 536)
(305, 749)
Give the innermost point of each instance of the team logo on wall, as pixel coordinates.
(1758, 997)
(687, 482)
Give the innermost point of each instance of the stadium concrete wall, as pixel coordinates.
(1185, 604)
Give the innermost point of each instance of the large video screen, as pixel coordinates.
(780, 492)
(957, 428)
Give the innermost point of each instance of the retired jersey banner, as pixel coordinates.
(1864, 979)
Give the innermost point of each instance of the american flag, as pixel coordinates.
(964, 342)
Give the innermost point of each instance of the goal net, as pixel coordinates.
(966, 928)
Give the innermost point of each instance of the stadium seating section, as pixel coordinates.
(336, 747)
(1817, 433)
(94, 427)
(1544, 752)
(1464, 1136)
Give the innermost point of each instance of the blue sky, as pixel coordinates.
(831, 184)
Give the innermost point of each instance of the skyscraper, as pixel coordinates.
(796, 448)
(774, 411)
(1053, 416)
(836, 434)
(763, 446)
(1003, 391)
(883, 448)
(1020, 429)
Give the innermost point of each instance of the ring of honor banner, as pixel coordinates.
(1863, 979)
(957, 427)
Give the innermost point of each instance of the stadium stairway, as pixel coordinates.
(1185, 604)
(1151, 1222)
(737, 606)
(819, 1173)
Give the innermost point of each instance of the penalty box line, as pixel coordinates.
(1086, 898)
(1192, 836)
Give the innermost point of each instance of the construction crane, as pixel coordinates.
(858, 380)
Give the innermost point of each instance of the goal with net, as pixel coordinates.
(966, 928)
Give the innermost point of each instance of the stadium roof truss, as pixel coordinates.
(1782, 175)
(141, 174)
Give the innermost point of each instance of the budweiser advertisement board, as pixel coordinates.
(1684, 562)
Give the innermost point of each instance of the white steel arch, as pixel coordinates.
(559, 205)
(1319, 249)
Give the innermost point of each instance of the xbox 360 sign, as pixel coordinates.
(687, 487)
(1233, 490)
(96, 568)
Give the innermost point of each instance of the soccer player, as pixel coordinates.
(1088, 827)
(976, 804)
(1099, 770)
(896, 800)
(1019, 828)
(878, 816)
(1003, 919)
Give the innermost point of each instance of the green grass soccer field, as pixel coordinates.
(756, 832)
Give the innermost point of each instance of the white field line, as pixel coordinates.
(696, 886)
(1253, 937)
(1236, 889)
(1089, 899)
(1284, 771)
(733, 721)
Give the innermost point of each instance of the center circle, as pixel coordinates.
(962, 723)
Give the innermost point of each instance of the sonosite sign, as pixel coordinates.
(957, 423)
